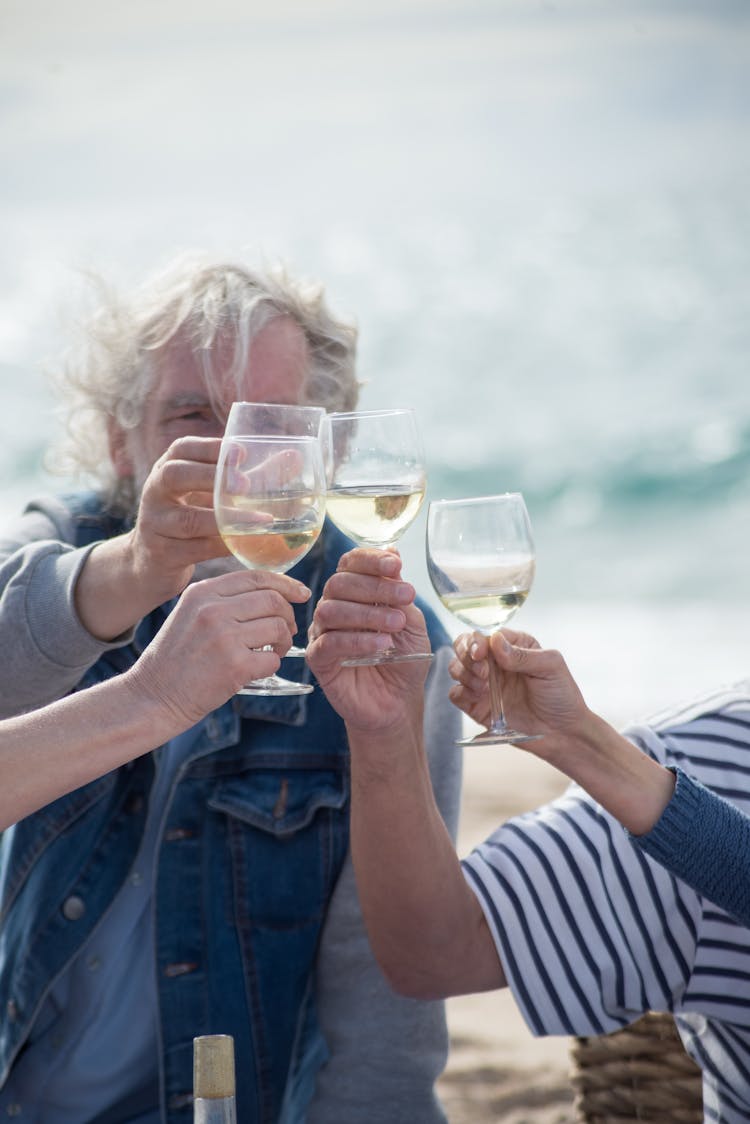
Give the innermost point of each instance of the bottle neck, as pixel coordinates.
(214, 1110)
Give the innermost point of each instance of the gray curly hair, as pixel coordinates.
(110, 378)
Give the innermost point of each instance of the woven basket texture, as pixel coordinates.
(638, 1073)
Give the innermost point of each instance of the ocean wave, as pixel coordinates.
(670, 472)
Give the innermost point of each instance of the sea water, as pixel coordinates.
(539, 216)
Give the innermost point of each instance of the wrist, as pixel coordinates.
(389, 722)
(116, 588)
(627, 782)
(567, 745)
(153, 582)
(156, 712)
(390, 742)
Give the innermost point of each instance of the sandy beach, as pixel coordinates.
(497, 1071)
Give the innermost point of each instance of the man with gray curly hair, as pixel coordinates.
(206, 887)
(207, 319)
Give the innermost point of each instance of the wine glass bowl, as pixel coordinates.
(274, 419)
(375, 485)
(481, 562)
(375, 473)
(269, 503)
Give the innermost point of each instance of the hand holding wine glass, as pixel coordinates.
(481, 562)
(376, 484)
(269, 502)
(372, 696)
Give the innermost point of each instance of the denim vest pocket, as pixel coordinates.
(280, 801)
(287, 832)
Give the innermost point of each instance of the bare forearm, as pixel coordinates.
(49, 752)
(425, 925)
(633, 787)
(540, 694)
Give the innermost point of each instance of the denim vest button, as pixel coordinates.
(13, 1109)
(177, 834)
(182, 968)
(11, 1010)
(134, 803)
(73, 908)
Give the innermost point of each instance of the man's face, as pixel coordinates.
(179, 406)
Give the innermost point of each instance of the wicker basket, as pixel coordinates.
(638, 1073)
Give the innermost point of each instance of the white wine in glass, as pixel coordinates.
(274, 419)
(481, 562)
(269, 503)
(373, 514)
(376, 485)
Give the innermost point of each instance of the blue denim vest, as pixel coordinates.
(254, 836)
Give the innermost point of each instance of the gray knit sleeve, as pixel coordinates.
(704, 840)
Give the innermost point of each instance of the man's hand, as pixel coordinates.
(212, 643)
(126, 577)
(175, 526)
(366, 608)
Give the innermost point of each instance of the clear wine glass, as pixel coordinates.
(273, 419)
(268, 419)
(376, 485)
(269, 503)
(481, 562)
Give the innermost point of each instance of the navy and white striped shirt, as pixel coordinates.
(592, 932)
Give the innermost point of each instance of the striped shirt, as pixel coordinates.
(592, 932)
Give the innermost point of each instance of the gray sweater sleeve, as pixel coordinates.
(386, 1052)
(704, 840)
(46, 649)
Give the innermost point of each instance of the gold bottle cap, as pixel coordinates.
(213, 1066)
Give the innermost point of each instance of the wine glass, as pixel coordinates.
(376, 484)
(268, 419)
(269, 503)
(481, 562)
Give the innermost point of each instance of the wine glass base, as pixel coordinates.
(499, 737)
(275, 685)
(386, 657)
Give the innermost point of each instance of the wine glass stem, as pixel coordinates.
(497, 718)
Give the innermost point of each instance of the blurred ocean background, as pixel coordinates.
(538, 212)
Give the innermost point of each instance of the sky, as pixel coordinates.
(317, 131)
(350, 109)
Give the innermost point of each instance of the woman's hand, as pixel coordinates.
(539, 694)
(212, 643)
(366, 608)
